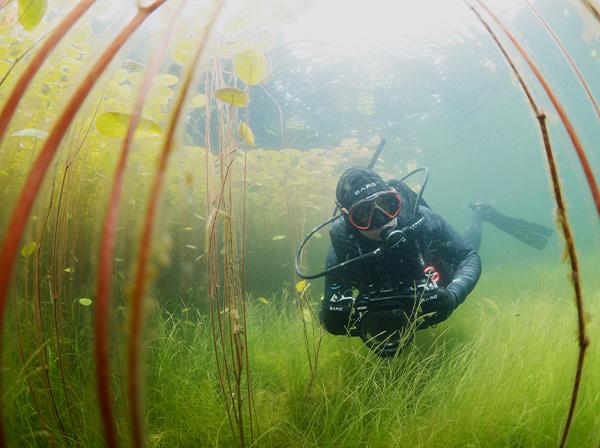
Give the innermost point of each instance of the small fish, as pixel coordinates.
(201, 218)
(263, 300)
(131, 65)
(199, 257)
(278, 237)
(191, 246)
(69, 270)
(85, 301)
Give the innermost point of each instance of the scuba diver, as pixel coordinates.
(394, 265)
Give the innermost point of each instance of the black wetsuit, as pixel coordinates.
(431, 243)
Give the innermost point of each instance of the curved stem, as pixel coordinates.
(563, 222)
(139, 288)
(585, 165)
(567, 56)
(10, 106)
(108, 239)
(20, 213)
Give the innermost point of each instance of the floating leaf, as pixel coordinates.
(233, 96)
(28, 248)
(166, 80)
(306, 315)
(250, 66)
(31, 12)
(30, 132)
(301, 286)
(263, 300)
(246, 133)
(115, 124)
(278, 237)
(199, 100)
(85, 301)
(237, 23)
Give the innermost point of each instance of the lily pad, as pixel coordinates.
(246, 133)
(251, 66)
(233, 96)
(199, 100)
(31, 12)
(114, 124)
(166, 80)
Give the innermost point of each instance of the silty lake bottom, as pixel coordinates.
(160, 166)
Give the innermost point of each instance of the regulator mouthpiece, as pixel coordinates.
(393, 238)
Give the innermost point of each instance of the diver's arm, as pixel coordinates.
(458, 251)
(336, 306)
(466, 276)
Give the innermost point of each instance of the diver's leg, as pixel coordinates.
(530, 233)
(473, 231)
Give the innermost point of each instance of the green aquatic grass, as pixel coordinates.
(498, 373)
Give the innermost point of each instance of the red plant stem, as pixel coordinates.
(564, 225)
(30, 190)
(572, 255)
(139, 288)
(593, 9)
(591, 181)
(108, 239)
(567, 56)
(19, 89)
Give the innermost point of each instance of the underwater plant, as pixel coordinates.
(152, 190)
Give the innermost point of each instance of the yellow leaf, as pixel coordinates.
(263, 300)
(31, 12)
(199, 101)
(115, 124)
(246, 133)
(301, 286)
(166, 80)
(28, 248)
(250, 66)
(233, 96)
(278, 237)
(166, 92)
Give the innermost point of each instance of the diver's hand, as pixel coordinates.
(436, 306)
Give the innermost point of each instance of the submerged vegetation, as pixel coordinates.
(147, 294)
(491, 376)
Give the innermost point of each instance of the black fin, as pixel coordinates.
(530, 233)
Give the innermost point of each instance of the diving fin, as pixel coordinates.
(530, 233)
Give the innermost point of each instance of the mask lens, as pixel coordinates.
(361, 214)
(389, 203)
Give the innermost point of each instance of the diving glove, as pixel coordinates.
(436, 306)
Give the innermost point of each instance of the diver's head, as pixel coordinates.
(367, 202)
